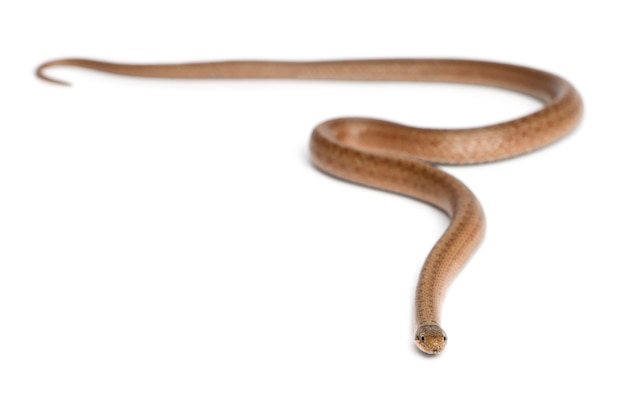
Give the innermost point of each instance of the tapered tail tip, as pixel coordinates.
(40, 72)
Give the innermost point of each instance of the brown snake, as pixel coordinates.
(403, 159)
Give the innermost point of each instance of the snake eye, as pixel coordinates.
(445, 338)
(422, 339)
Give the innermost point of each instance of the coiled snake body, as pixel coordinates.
(403, 159)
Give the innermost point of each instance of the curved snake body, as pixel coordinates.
(403, 159)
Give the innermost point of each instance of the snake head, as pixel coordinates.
(431, 339)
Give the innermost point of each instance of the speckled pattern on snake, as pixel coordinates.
(404, 159)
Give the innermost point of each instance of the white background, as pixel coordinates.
(171, 240)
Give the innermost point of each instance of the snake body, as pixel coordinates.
(403, 159)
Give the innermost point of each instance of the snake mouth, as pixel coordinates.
(429, 350)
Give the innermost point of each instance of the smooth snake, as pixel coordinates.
(404, 159)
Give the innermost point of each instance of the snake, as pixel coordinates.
(405, 159)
